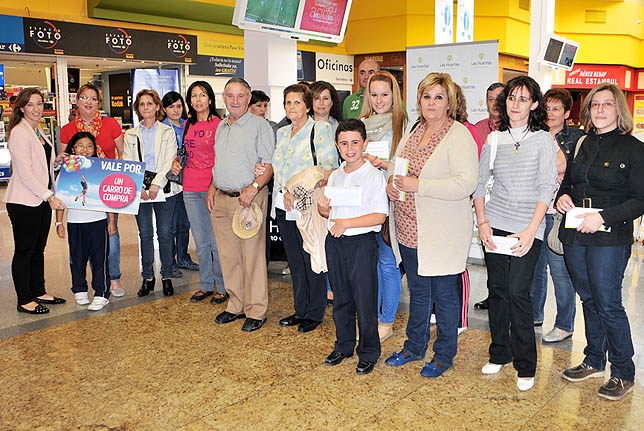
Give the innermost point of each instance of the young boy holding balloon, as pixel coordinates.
(88, 233)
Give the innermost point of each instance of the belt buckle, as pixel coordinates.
(587, 202)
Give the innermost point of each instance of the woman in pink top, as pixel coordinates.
(199, 140)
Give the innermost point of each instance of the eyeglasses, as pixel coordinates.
(604, 105)
(521, 99)
(87, 98)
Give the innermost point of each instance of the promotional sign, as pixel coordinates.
(93, 184)
(159, 80)
(323, 16)
(473, 66)
(1, 77)
(443, 22)
(335, 69)
(67, 38)
(212, 65)
(586, 76)
(11, 34)
(465, 21)
(306, 66)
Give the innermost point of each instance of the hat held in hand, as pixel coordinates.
(247, 221)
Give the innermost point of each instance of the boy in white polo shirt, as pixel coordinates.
(352, 251)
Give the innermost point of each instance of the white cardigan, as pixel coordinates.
(443, 206)
(165, 150)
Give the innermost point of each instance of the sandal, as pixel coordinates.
(219, 297)
(38, 310)
(55, 300)
(200, 295)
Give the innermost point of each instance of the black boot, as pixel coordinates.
(168, 290)
(146, 287)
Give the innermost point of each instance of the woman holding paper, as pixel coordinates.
(300, 145)
(607, 175)
(155, 144)
(385, 120)
(512, 222)
(431, 229)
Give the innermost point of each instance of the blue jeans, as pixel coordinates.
(424, 292)
(564, 292)
(597, 273)
(204, 235)
(180, 233)
(163, 215)
(389, 282)
(114, 259)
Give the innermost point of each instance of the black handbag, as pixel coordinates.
(182, 158)
(148, 176)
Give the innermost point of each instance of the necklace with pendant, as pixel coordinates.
(517, 142)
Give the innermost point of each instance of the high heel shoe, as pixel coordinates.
(146, 287)
(168, 289)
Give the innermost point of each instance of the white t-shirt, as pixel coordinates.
(82, 216)
(374, 195)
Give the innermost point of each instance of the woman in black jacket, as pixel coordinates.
(607, 175)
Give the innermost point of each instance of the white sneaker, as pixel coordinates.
(432, 319)
(556, 335)
(81, 298)
(98, 303)
(461, 330)
(525, 383)
(491, 368)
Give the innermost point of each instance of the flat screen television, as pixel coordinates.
(559, 52)
(324, 20)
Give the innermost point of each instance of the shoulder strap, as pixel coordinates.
(414, 126)
(313, 155)
(493, 143)
(578, 146)
(138, 147)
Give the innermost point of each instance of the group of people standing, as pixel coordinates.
(426, 185)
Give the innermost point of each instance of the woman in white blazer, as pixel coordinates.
(30, 199)
(155, 144)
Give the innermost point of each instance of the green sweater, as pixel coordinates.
(352, 105)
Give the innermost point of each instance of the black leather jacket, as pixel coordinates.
(567, 139)
(609, 169)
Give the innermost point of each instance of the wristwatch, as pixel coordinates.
(255, 185)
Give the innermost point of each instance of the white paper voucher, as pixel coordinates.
(344, 196)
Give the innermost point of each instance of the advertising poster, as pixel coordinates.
(473, 66)
(323, 16)
(93, 184)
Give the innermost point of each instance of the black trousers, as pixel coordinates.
(309, 288)
(30, 227)
(89, 241)
(353, 271)
(509, 280)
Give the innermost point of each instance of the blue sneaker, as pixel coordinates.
(432, 369)
(401, 358)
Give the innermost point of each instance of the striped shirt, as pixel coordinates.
(522, 179)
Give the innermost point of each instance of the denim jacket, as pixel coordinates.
(567, 139)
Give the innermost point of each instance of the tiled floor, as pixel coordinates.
(162, 364)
